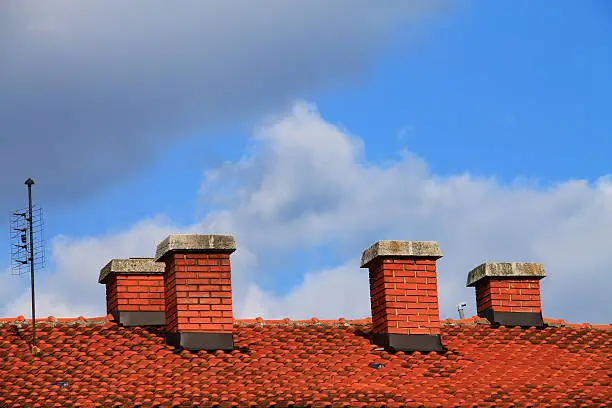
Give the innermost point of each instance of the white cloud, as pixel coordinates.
(332, 293)
(10, 285)
(307, 183)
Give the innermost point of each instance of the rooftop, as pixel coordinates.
(170, 339)
(96, 362)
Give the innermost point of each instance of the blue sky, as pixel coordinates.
(495, 90)
(515, 98)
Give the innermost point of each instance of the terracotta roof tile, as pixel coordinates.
(94, 362)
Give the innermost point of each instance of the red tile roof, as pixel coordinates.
(94, 362)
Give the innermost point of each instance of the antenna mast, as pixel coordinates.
(26, 225)
(29, 183)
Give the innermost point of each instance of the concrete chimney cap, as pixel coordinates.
(507, 270)
(417, 249)
(195, 243)
(135, 266)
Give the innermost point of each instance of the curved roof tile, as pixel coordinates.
(95, 362)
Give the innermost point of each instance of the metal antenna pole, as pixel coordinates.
(24, 251)
(29, 183)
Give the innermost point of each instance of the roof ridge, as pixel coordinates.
(52, 320)
(259, 321)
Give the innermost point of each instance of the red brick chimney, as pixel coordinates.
(404, 294)
(198, 289)
(508, 293)
(134, 291)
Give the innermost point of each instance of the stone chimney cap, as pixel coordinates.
(135, 266)
(416, 249)
(195, 243)
(505, 270)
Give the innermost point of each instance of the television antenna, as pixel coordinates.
(27, 246)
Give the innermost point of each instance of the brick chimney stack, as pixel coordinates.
(198, 289)
(508, 293)
(404, 294)
(134, 291)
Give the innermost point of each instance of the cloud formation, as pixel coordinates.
(310, 184)
(90, 91)
(307, 183)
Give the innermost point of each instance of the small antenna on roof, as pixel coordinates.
(27, 246)
(460, 308)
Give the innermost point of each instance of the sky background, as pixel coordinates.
(310, 130)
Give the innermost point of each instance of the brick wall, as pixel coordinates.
(135, 293)
(198, 293)
(404, 294)
(112, 300)
(508, 295)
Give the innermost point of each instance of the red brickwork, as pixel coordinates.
(198, 293)
(508, 295)
(112, 300)
(404, 296)
(144, 293)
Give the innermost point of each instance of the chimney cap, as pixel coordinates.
(505, 270)
(415, 249)
(137, 266)
(195, 243)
